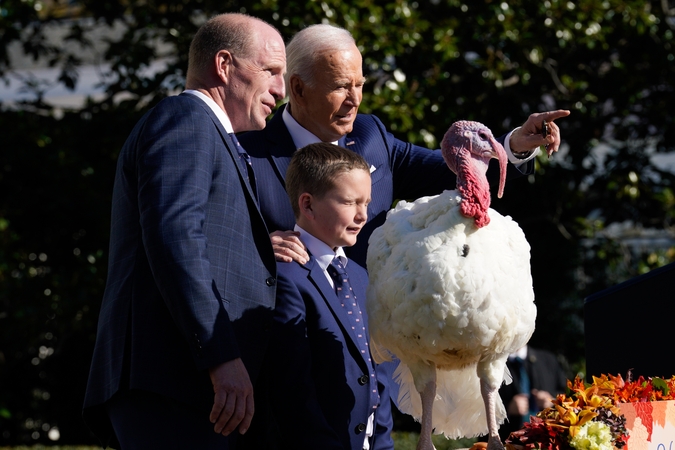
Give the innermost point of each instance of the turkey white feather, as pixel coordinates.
(451, 296)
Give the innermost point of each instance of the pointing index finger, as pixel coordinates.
(550, 116)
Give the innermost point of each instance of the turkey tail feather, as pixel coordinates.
(459, 410)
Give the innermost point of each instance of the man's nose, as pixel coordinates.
(354, 96)
(278, 88)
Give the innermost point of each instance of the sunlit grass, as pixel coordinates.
(408, 441)
(403, 440)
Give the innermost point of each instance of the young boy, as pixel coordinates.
(325, 393)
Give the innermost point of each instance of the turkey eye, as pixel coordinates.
(483, 136)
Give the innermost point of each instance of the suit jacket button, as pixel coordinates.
(360, 428)
(363, 379)
(270, 281)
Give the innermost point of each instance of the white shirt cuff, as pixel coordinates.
(369, 431)
(513, 158)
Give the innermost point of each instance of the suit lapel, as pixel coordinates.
(350, 143)
(318, 278)
(229, 145)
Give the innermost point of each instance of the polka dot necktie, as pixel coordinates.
(347, 299)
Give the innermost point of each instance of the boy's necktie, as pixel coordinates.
(347, 299)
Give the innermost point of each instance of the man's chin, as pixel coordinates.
(344, 130)
(259, 124)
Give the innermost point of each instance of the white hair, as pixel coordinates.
(308, 44)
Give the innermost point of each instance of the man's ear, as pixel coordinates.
(297, 88)
(224, 64)
(305, 203)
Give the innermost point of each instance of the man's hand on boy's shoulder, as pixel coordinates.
(288, 247)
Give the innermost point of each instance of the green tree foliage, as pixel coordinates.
(429, 63)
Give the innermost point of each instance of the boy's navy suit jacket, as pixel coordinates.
(321, 384)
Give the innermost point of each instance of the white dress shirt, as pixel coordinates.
(217, 110)
(300, 135)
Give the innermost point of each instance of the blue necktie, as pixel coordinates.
(345, 294)
(245, 161)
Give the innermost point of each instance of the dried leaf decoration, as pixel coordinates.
(553, 428)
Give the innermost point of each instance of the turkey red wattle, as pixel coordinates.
(467, 149)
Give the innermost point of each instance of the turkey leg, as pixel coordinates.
(490, 398)
(428, 395)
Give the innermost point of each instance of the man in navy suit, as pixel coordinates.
(538, 377)
(323, 387)
(324, 82)
(190, 293)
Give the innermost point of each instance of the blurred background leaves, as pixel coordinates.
(597, 213)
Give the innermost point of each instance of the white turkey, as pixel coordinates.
(451, 296)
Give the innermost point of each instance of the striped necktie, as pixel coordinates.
(245, 161)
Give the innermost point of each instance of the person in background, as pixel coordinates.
(538, 377)
(190, 293)
(324, 391)
(324, 82)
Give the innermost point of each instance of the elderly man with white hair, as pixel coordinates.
(324, 83)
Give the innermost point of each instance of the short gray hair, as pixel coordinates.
(308, 44)
(230, 31)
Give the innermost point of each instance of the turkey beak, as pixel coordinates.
(500, 154)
